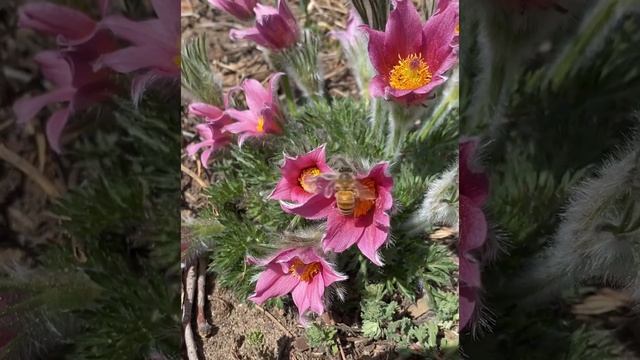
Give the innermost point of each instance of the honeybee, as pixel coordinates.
(346, 188)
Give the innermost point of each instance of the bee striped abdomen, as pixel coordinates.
(346, 202)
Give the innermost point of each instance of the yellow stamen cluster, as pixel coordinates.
(305, 179)
(363, 206)
(304, 272)
(410, 73)
(260, 126)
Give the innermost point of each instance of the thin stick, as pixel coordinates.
(29, 170)
(274, 320)
(192, 352)
(41, 144)
(204, 329)
(341, 351)
(194, 176)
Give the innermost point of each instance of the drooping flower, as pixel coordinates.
(367, 225)
(354, 45)
(303, 272)
(275, 29)
(76, 84)
(298, 174)
(241, 9)
(411, 59)
(474, 191)
(264, 114)
(70, 26)
(154, 53)
(212, 134)
(69, 70)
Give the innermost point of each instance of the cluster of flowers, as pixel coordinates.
(264, 116)
(302, 190)
(275, 29)
(90, 52)
(409, 69)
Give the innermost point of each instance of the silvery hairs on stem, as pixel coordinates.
(440, 204)
(599, 236)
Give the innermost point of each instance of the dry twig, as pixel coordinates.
(275, 321)
(193, 175)
(190, 282)
(31, 171)
(204, 328)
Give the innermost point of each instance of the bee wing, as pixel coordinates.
(323, 183)
(364, 192)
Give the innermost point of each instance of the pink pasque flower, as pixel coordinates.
(367, 226)
(411, 59)
(154, 53)
(349, 37)
(455, 4)
(69, 70)
(275, 29)
(212, 134)
(263, 116)
(74, 83)
(69, 25)
(241, 9)
(298, 173)
(299, 271)
(474, 191)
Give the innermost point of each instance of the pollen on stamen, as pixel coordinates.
(305, 179)
(304, 272)
(363, 206)
(410, 73)
(260, 126)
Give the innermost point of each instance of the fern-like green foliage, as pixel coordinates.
(383, 319)
(197, 77)
(569, 110)
(112, 292)
(322, 338)
(244, 178)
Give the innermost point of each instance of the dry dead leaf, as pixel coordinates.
(420, 308)
(443, 233)
(186, 8)
(604, 301)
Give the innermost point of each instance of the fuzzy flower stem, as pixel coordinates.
(449, 103)
(288, 91)
(378, 116)
(398, 128)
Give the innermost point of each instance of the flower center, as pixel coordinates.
(305, 179)
(410, 73)
(260, 127)
(363, 206)
(304, 272)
